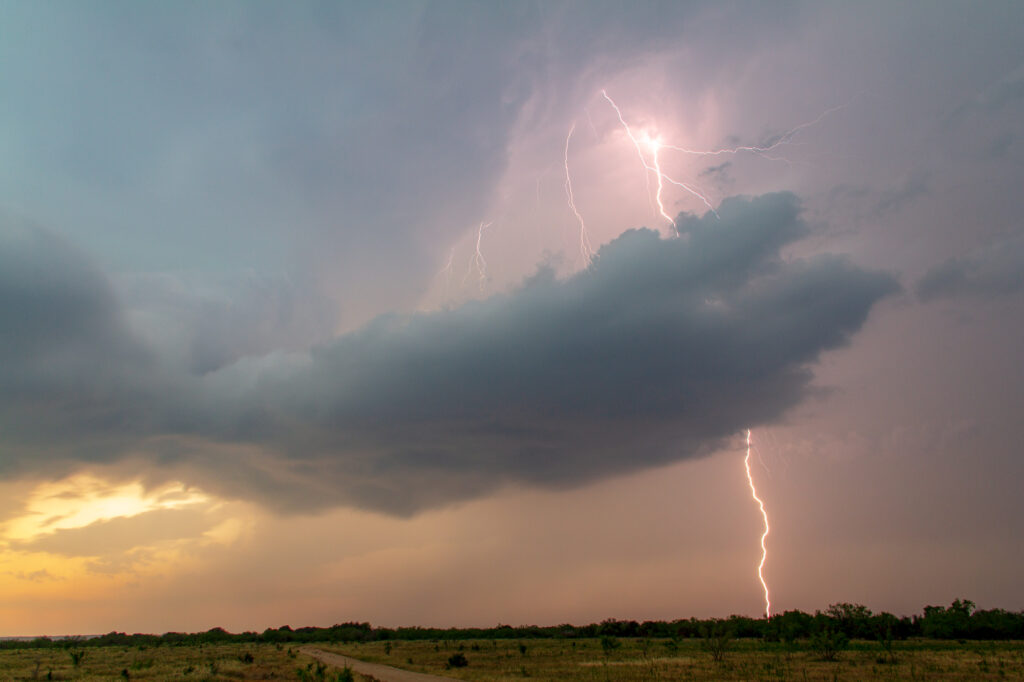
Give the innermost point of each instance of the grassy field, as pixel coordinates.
(539, 660)
(206, 662)
(637, 659)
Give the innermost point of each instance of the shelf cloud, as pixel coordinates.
(658, 351)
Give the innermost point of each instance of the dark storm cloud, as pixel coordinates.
(68, 366)
(997, 270)
(658, 351)
(200, 323)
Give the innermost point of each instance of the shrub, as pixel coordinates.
(609, 644)
(717, 640)
(457, 660)
(885, 640)
(829, 643)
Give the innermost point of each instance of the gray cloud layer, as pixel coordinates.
(997, 270)
(658, 351)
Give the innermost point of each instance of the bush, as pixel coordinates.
(457, 660)
(717, 640)
(885, 640)
(609, 644)
(829, 643)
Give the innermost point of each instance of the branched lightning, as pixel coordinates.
(586, 251)
(477, 261)
(764, 515)
(652, 164)
(648, 148)
(654, 145)
(780, 140)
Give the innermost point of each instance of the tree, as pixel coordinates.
(717, 640)
(948, 623)
(854, 620)
(791, 626)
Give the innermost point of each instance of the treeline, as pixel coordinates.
(960, 620)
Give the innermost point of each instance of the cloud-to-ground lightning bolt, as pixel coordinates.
(648, 147)
(585, 249)
(764, 535)
(652, 164)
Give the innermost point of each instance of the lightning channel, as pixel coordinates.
(654, 145)
(586, 251)
(764, 535)
(780, 140)
(477, 261)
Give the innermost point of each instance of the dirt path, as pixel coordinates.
(384, 673)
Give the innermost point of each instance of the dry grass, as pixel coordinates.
(206, 662)
(543, 660)
(657, 660)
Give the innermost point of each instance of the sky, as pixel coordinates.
(459, 313)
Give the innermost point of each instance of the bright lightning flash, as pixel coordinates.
(653, 146)
(648, 148)
(764, 515)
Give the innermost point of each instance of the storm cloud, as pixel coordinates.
(993, 271)
(68, 365)
(658, 351)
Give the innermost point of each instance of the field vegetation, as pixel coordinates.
(185, 662)
(636, 659)
(605, 659)
(845, 642)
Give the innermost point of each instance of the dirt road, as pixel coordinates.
(384, 673)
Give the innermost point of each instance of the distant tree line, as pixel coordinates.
(959, 620)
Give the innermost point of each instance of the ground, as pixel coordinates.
(535, 660)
